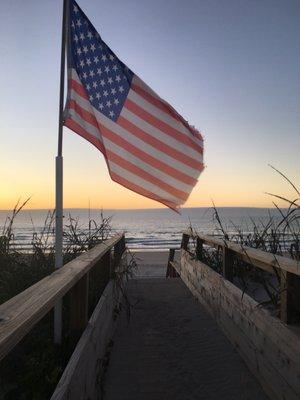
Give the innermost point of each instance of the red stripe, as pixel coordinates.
(160, 165)
(162, 126)
(165, 107)
(129, 166)
(138, 189)
(159, 145)
(88, 117)
(74, 126)
(78, 88)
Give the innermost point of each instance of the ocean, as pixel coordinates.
(149, 229)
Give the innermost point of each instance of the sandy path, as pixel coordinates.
(172, 349)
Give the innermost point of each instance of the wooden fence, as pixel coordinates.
(21, 313)
(270, 347)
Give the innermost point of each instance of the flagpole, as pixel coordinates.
(59, 175)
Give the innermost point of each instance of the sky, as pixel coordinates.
(231, 68)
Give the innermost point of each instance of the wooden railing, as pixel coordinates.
(286, 268)
(22, 312)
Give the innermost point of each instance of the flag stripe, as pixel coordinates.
(145, 156)
(161, 193)
(157, 173)
(76, 127)
(181, 176)
(71, 124)
(126, 165)
(158, 144)
(138, 189)
(159, 135)
(120, 141)
(187, 159)
(134, 169)
(145, 91)
(167, 129)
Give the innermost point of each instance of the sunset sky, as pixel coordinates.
(231, 68)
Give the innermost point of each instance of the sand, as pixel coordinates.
(172, 349)
(151, 264)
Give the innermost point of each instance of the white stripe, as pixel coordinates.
(130, 138)
(164, 196)
(109, 145)
(167, 118)
(158, 134)
(139, 100)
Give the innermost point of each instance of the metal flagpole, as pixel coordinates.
(59, 175)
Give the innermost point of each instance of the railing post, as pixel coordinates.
(185, 241)
(118, 252)
(79, 306)
(199, 249)
(228, 263)
(171, 271)
(289, 297)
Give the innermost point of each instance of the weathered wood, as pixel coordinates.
(270, 348)
(289, 297)
(22, 312)
(82, 377)
(255, 257)
(119, 249)
(199, 249)
(228, 256)
(79, 306)
(185, 241)
(171, 271)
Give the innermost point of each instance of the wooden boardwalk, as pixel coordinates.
(172, 349)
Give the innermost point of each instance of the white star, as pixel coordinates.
(95, 85)
(105, 93)
(75, 38)
(75, 9)
(82, 63)
(118, 78)
(115, 67)
(104, 58)
(101, 106)
(107, 70)
(81, 36)
(121, 89)
(116, 101)
(91, 98)
(111, 57)
(108, 104)
(111, 114)
(79, 51)
(89, 35)
(113, 91)
(98, 96)
(92, 73)
(88, 87)
(85, 49)
(110, 81)
(93, 47)
(88, 61)
(96, 60)
(102, 82)
(84, 75)
(99, 71)
(78, 23)
(72, 25)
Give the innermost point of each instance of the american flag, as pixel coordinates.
(148, 147)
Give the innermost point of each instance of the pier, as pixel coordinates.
(187, 332)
